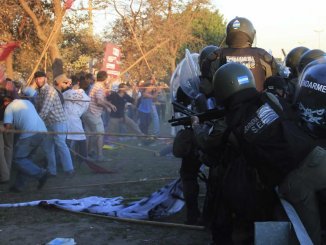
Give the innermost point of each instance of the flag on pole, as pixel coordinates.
(6, 49)
(2, 74)
(111, 61)
(68, 4)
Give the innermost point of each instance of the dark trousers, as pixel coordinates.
(189, 176)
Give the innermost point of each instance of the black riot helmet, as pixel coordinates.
(292, 59)
(182, 97)
(276, 85)
(230, 79)
(309, 56)
(240, 31)
(311, 97)
(203, 54)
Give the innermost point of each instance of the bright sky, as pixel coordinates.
(281, 23)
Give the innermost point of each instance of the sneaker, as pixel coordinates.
(42, 181)
(70, 173)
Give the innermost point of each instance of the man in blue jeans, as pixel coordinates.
(49, 104)
(21, 115)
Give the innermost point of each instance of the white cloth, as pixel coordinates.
(76, 103)
(164, 202)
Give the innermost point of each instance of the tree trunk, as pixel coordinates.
(54, 52)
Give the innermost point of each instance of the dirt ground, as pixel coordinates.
(138, 173)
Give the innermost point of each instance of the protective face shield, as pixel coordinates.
(230, 79)
(186, 76)
(237, 27)
(311, 97)
(309, 56)
(292, 59)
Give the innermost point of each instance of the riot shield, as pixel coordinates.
(186, 75)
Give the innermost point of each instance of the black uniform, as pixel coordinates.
(258, 60)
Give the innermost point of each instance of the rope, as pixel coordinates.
(111, 183)
(15, 131)
(144, 222)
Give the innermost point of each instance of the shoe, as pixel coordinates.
(70, 173)
(92, 154)
(42, 181)
(15, 189)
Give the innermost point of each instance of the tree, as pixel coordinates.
(45, 15)
(30, 23)
(208, 29)
(148, 23)
(79, 46)
(15, 27)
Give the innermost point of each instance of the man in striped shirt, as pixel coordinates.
(93, 117)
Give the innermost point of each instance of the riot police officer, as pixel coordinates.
(205, 85)
(240, 35)
(292, 60)
(311, 99)
(309, 56)
(191, 142)
(272, 142)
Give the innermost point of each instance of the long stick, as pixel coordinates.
(144, 222)
(138, 44)
(145, 55)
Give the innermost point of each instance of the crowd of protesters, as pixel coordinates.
(67, 120)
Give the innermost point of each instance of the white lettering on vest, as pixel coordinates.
(248, 61)
(314, 86)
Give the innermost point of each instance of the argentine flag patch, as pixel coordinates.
(243, 80)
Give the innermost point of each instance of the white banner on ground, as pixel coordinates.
(166, 201)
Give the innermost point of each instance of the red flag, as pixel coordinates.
(68, 4)
(6, 49)
(2, 74)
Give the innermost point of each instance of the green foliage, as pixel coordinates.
(78, 48)
(187, 24)
(208, 28)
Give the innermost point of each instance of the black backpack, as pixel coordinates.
(280, 146)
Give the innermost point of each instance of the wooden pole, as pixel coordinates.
(144, 56)
(143, 222)
(138, 44)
